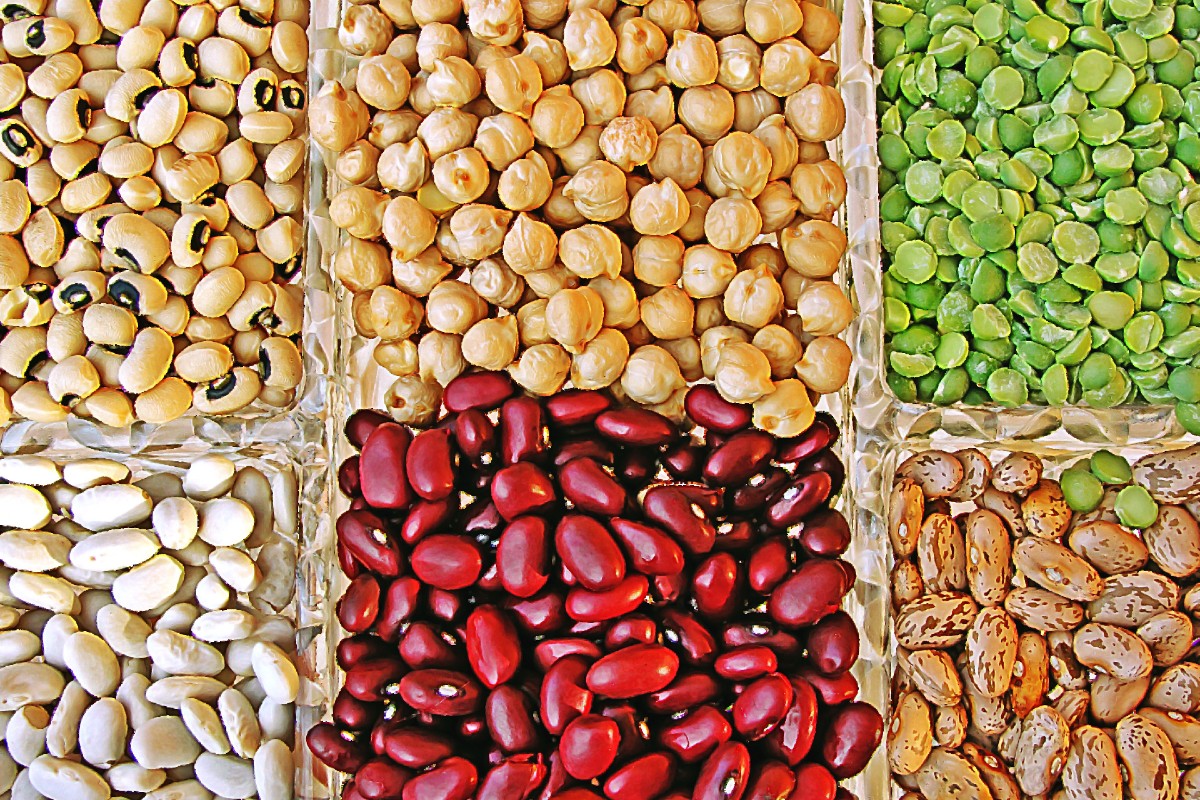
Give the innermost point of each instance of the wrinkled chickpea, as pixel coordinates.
(679, 156)
(640, 43)
(620, 300)
(823, 308)
(781, 347)
(600, 363)
(707, 271)
(598, 191)
(657, 106)
(754, 298)
(692, 59)
(659, 209)
(398, 358)
(668, 313)
(589, 39)
(491, 344)
(574, 317)
(658, 260)
(541, 369)
(590, 251)
(651, 375)
(825, 366)
(414, 401)
(813, 247)
(820, 188)
(743, 373)
(732, 224)
(628, 142)
(786, 411)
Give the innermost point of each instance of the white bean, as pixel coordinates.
(176, 522)
(23, 507)
(117, 505)
(33, 470)
(225, 521)
(125, 633)
(93, 663)
(179, 654)
(116, 549)
(87, 577)
(235, 568)
(130, 777)
(183, 790)
(9, 617)
(33, 551)
(240, 722)
(29, 683)
(212, 593)
(63, 733)
(148, 585)
(285, 501)
(102, 732)
(224, 626)
(8, 771)
(17, 646)
(277, 720)
(54, 636)
(252, 486)
(277, 560)
(133, 694)
(43, 591)
(208, 477)
(88, 472)
(161, 485)
(170, 692)
(274, 773)
(205, 725)
(195, 554)
(90, 603)
(59, 779)
(276, 672)
(26, 736)
(22, 788)
(179, 618)
(163, 743)
(226, 776)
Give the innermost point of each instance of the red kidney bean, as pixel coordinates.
(670, 507)
(668, 588)
(794, 736)
(819, 436)
(643, 778)
(354, 649)
(365, 537)
(422, 647)
(637, 467)
(521, 433)
(633, 629)
(773, 780)
(589, 551)
(474, 434)
(514, 778)
(509, 715)
(453, 779)
(350, 792)
(584, 448)
(429, 464)
(576, 407)
(716, 586)
(564, 694)
(586, 484)
(472, 727)
(651, 551)
(736, 536)
(359, 606)
(825, 533)
(361, 423)
(762, 632)
(607, 604)
(826, 461)
(522, 489)
(769, 564)
(812, 592)
(639, 427)
(814, 782)
(833, 644)
(443, 604)
(493, 649)
(381, 467)
(368, 679)
(482, 390)
(349, 479)
(799, 500)
(548, 651)
(762, 706)
(446, 561)
(383, 726)
(742, 455)
(353, 714)
(707, 498)
(746, 662)
(629, 722)
(425, 517)
(540, 614)
(831, 690)
(633, 671)
(347, 562)
(442, 692)
(757, 490)
(416, 748)
(481, 517)
(337, 750)
(707, 408)
(691, 636)
(697, 735)
(853, 732)
(381, 779)
(725, 774)
(589, 746)
(686, 691)
(575, 793)
(684, 461)
(523, 556)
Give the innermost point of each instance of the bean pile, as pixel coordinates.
(1040, 209)
(563, 599)
(142, 647)
(1046, 628)
(151, 190)
(631, 195)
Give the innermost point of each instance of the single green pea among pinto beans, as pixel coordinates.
(1039, 201)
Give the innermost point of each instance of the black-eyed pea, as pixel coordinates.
(68, 116)
(223, 249)
(292, 103)
(279, 363)
(201, 133)
(280, 241)
(287, 198)
(107, 363)
(265, 127)
(213, 96)
(177, 62)
(229, 393)
(33, 401)
(142, 294)
(43, 183)
(18, 144)
(136, 241)
(72, 380)
(104, 128)
(125, 158)
(252, 307)
(51, 77)
(14, 207)
(223, 59)
(287, 315)
(87, 192)
(1151, 767)
(190, 177)
(12, 86)
(96, 84)
(14, 263)
(289, 45)
(245, 345)
(180, 280)
(243, 26)
(148, 361)
(286, 158)
(65, 337)
(28, 305)
(173, 317)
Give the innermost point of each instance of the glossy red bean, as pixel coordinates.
(349, 479)
(833, 644)
(381, 467)
(746, 662)
(589, 746)
(365, 536)
(633, 671)
(564, 693)
(575, 793)
(772, 780)
(630, 722)
(725, 774)
(522, 436)
(669, 588)
(512, 779)
(337, 750)
(643, 778)
(819, 436)
(423, 647)
(584, 448)
(359, 606)
(798, 500)
(854, 731)
(716, 586)
(825, 533)
(812, 592)
(590, 488)
(686, 691)
(416, 748)
(381, 779)
(482, 390)
(693, 638)
(446, 561)
(697, 734)
(472, 728)
(509, 715)
(794, 736)
(354, 649)
(739, 457)
(589, 551)
(547, 651)
(684, 461)
(814, 782)
(453, 779)
(670, 507)
(442, 692)
(541, 614)
(707, 498)
(707, 408)
(361, 423)
(443, 604)
(633, 629)
(429, 464)
(522, 489)
(353, 714)
(832, 690)
(481, 517)
(425, 517)
(523, 556)
(576, 407)
(382, 727)
(493, 648)
(651, 551)
(347, 562)
(762, 706)
(828, 462)
(368, 679)
(639, 427)
(607, 604)
(474, 434)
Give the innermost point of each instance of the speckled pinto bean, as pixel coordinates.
(593, 603)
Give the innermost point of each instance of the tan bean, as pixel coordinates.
(1132, 598)
(938, 473)
(991, 650)
(905, 513)
(1113, 651)
(1030, 674)
(988, 564)
(1171, 476)
(910, 736)
(941, 554)
(1149, 759)
(1017, 472)
(1045, 511)
(977, 473)
(1169, 637)
(1041, 751)
(1108, 547)
(949, 776)
(1092, 771)
(1174, 541)
(1057, 569)
(1042, 610)
(936, 620)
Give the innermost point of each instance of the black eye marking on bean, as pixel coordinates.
(124, 254)
(17, 139)
(77, 296)
(35, 34)
(35, 361)
(264, 93)
(199, 237)
(222, 387)
(288, 269)
(39, 291)
(83, 112)
(143, 97)
(124, 293)
(252, 19)
(264, 363)
(191, 56)
(293, 97)
(14, 12)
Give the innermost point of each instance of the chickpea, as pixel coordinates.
(787, 66)
(679, 156)
(399, 12)
(404, 47)
(360, 265)
(359, 211)
(461, 176)
(582, 151)
(793, 284)
(707, 271)
(529, 245)
(531, 323)
(453, 307)
(589, 40)
(658, 260)
(820, 29)
(742, 163)
(496, 283)
(491, 343)
(754, 298)
(389, 127)
(771, 20)
(751, 108)
(740, 63)
(503, 139)
(545, 282)
(813, 247)
(653, 77)
(824, 309)
(722, 17)
(412, 401)
(574, 317)
(732, 224)
(453, 82)
(419, 275)
(440, 358)
(497, 22)
(628, 142)
(742, 374)
(598, 191)
(514, 84)
(825, 72)
(786, 411)
(425, 12)
(767, 254)
(526, 183)
(638, 335)
(816, 113)
(364, 31)
(542, 369)
(656, 106)
(601, 95)
(358, 164)
(446, 130)
(686, 352)
(668, 313)
(337, 117)
(780, 347)
(559, 210)
(782, 144)
(820, 189)
(693, 229)
(543, 14)
(590, 251)
(383, 82)
(395, 314)
(825, 367)
(479, 230)
(659, 209)
(692, 59)
(550, 57)
(404, 166)
(600, 363)
(710, 313)
(651, 375)
(408, 227)
(640, 43)
(557, 117)
(713, 340)
(813, 152)
(620, 300)
(776, 206)
(398, 358)
(672, 15)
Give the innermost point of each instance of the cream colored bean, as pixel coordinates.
(130, 777)
(275, 671)
(62, 734)
(93, 663)
(163, 743)
(43, 591)
(116, 549)
(58, 779)
(23, 507)
(177, 654)
(33, 551)
(204, 724)
(25, 736)
(102, 733)
(148, 585)
(114, 506)
(176, 522)
(239, 722)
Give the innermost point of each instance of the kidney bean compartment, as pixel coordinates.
(560, 598)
